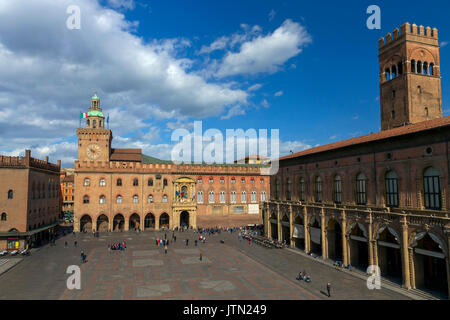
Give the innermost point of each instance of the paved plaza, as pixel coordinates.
(231, 270)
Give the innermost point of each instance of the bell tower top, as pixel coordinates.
(95, 118)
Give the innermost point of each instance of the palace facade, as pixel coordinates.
(123, 189)
(380, 199)
(29, 201)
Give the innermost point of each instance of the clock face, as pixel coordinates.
(93, 151)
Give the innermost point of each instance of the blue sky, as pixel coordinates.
(320, 87)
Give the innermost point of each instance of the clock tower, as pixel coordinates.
(94, 141)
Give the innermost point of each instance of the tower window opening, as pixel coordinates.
(393, 114)
(425, 68)
(431, 69)
(394, 72)
(413, 66)
(426, 112)
(400, 68)
(94, 124)
(88, 122)
(388, 74)
(419, 67)
(393, 94)
(419, 89)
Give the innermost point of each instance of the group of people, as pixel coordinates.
(303, 276)
(118, 246)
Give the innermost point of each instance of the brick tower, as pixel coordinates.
(94, 141)
(410, 78)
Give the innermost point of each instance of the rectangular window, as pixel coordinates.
(432, 192)
(392, 192)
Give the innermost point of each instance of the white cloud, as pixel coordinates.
(444, 44)
(255, 87)
(119, 4)
(234, 111)
(278, 94)
(266, 54)
(265, 103)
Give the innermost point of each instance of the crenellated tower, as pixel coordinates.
(410, 78)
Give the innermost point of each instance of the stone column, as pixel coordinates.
(110, 223)
(344, 240)
(157, 223)
(279, 227)
(291, 226)
(349, 260)
(76, 224)
(411, 266)
(405, 253)
(323, 234)
(305, 224)
(126, 224)
(94, 224)
(269, 225)
(375, 253)
(371, 263)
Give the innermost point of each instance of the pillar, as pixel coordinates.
(126, 224)
(371, 260)
(405, 253)
(76, 224)
(323, 234)
(157, 222)
(305, 224)
(94, 224)
(279, 229)
(344, 239)
(411, 267)
(269, 226)
(291, 226)
(110, 224)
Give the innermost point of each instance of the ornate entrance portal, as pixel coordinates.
(185, 203)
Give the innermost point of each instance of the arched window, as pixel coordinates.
(394, 71)
(361, 196)
(288, 189)
(318, 189)
(388, 74)
(94, 123)
(301, 189)
(102, 199)
(135, 182)
(211, 180)
(150, 182)
(150, 198)
(253, 196)
(419, 67)
(261, 180)
(263, 196)
(431, 71)
(391, 189)
(88, 123)
(3, 216)
(413, 66)
(425, 68)
(119, 182)
(243, 197)
(222, 196)
(211, 197)
(242, 180)
(10, 194)
(233, 180)
(199, 180)
(400, 68)
(119, 199)
(100, 123)
(102, 182)
(87, 182)
(222, 180)
(165, 182)
(432, 189)
(337, 189)
(164, 199)
(200, 197)
(233, 197)
(86, 199)
(135, 199)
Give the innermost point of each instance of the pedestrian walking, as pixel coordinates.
(195, 241)
(187, 242)
(174, 238)
(329, 289)
(75, 244)
(83, 257)
(65, 244)
(165, 249)
(201, 257)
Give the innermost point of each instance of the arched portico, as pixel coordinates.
(184, 219)
(315, 236)
(102, 223)
(118, 222)
(86, 223)
(285, 229)
(135, 221)
(359, 247)
(149, 221)
(334, 240)
(299, 232)
(164, 220)
(273, 221)
(389, 254)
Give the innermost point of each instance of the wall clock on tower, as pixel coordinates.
(93, 151)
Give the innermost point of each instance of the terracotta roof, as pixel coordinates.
(412, 128)
(126, 155)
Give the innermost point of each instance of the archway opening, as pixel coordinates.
(118, 222)
(389, 256)
(135, 221)
(273, 227)
(102, 223)
(334, 238)
(430, 266)
(285, 230)
(315, 234)
(184, 219)
(164, 220)
(86, 223)
(149, 222)
(359, 248)
(299, 233)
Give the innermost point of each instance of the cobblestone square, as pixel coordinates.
(230, 270)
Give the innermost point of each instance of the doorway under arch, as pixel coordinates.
(299, 233)
(164, 220)
(102, 223)
(135, 221)
(149, 221)
(334, 240)
(315, 236)
(86, 223)
(273, 226)
(359, 248)
(118, 222)
(285, 230)
(184, 219)
(389, 255)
